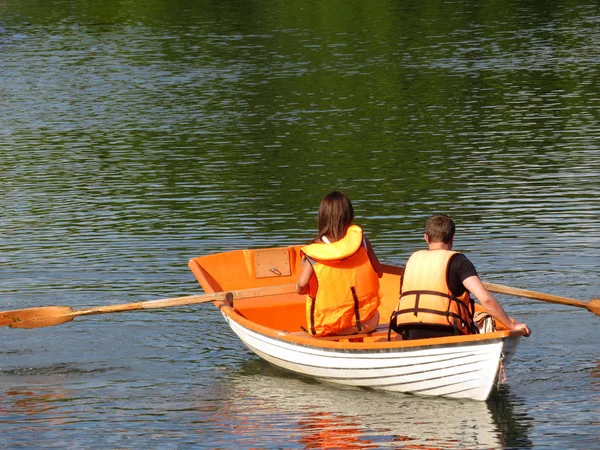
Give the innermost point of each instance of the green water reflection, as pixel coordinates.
(135, 135)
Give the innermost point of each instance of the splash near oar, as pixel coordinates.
(47, 316)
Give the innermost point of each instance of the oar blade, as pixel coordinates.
(45, 316)
(594, 306)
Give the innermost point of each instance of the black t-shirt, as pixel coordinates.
(459, 269)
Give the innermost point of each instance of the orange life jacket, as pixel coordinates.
(344, 289)
(425, 297)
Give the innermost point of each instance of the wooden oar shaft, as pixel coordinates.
(593, 305)
(500, 289)
(189, 300)
(47, 316)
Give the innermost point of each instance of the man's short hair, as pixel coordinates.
(440, 228)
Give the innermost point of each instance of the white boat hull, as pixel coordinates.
(458, 370)
(269, 323)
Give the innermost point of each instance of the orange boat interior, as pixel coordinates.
(244, 269)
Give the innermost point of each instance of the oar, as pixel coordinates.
(593, 305)
(47, 316)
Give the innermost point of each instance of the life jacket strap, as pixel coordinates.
(454, 319)
(313, 304)
(417, 293)
(356, 309)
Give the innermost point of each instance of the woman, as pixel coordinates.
(340, 273)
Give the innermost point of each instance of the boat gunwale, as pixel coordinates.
(359, 347)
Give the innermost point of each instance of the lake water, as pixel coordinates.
(135, 135)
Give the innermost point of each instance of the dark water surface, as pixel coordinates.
(136, 135)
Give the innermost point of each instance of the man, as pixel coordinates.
(435, 293)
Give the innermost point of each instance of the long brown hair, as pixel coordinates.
(335, 216)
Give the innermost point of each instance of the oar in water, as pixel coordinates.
(593, 305)
(47, 316)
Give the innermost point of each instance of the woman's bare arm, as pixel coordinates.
(304, 279)
(373, 258)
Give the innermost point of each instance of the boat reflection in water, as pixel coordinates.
(29, 405)
(318, 415)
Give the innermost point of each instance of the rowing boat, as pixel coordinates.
(272, 326)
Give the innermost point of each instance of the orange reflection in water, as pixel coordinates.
(325, 430)
(596, 370)
(16, 402)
